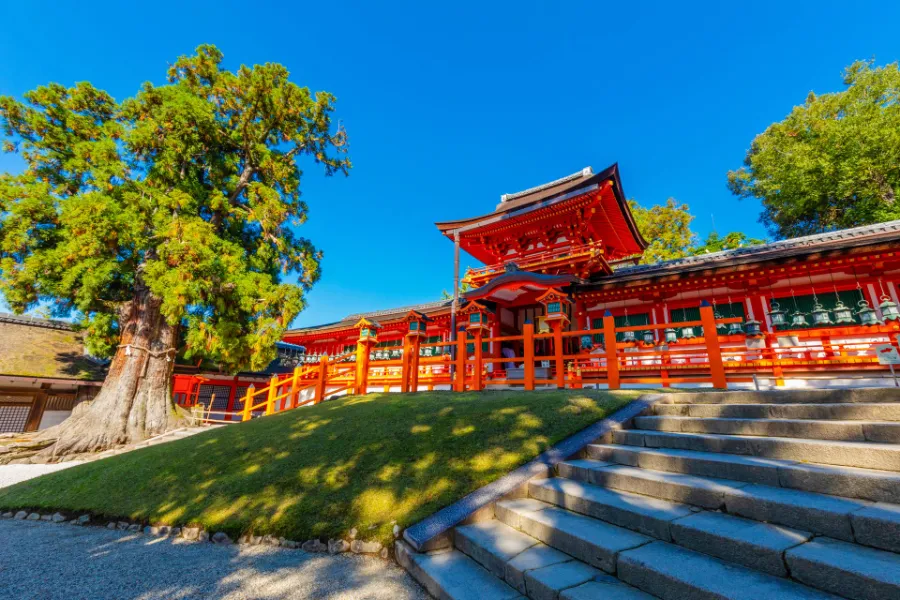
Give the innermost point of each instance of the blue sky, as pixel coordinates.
(449, 105)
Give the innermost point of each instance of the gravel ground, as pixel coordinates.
(10, 474)
(47, 561)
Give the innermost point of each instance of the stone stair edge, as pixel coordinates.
(434, 531)
(789, 396)
(866, 522)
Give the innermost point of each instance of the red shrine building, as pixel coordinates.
(807, 311)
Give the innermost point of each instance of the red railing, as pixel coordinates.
(556, 359)
(537, 261)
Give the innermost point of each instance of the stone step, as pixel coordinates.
(705, 492)
(707, 464)
(535, 569)
(644, 514)
(834, 396)
(492, 544)
(850, 482)
(451, 575)
(866, 455)
(846, 569)
(746, 542)
(848, 431)
(842, 412)
(674, 573)
(878, 525)
(593, 542)
(753, 544)
(858, 520)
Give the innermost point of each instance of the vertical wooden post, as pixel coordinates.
(270, 397)
(664, 372)
(612, 359)
(362, 368)
(295, 393)
(405, 361)
(459, 384)
(558, 355)
(528, 355)
(248, 402)
(414, 363)
(479, 363)
(33, 421)
(713, 352)
(323, 379)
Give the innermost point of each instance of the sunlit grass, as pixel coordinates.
(365, 462)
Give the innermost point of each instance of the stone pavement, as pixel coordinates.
(48, 561)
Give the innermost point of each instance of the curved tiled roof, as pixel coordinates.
(852, 236)
(386, 314)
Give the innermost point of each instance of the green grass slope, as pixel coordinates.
(360, 461)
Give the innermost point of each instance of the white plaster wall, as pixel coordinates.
(53, 417)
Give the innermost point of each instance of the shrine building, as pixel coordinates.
(808, 311)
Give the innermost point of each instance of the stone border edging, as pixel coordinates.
(419, 535)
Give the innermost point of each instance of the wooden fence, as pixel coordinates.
(711, 358)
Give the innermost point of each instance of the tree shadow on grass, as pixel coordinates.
(365, 462)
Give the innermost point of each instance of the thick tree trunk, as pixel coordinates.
(135, 401)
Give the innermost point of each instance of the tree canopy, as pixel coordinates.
(668, 229)
(833, 162)
(190, 190)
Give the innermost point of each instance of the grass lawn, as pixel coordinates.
(360, 461)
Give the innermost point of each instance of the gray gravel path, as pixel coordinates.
(47, 561)
(10, 474)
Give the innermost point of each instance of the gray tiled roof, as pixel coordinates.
(34, 321)
(350, 320)
(763, 249)
(402, 309)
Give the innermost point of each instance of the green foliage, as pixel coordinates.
(190, 189)
(716, 243)
(668, 229)
(833, 162)
(358, 461)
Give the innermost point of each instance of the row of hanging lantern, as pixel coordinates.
(376, 354)
(843, 314)
(751, 328)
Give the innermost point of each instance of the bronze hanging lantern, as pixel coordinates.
(752, 328)
(628, 336)
(889, 310)
(735, 329)
(671, 335)
(843, 314)
(587, 342)
(777, 316)
(718, 317)
(820, 315)
(649, 338)
(799, 320)
(867, 314)
(687, 333)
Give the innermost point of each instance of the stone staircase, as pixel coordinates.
(714, 496)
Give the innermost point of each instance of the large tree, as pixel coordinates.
(165, 223)
(833, 162)
(667, 227)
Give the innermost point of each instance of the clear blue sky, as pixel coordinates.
(449, 105)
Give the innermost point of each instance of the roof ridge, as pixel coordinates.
(779, 244)
(387, 311)
(583, 173)
(35, 321)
